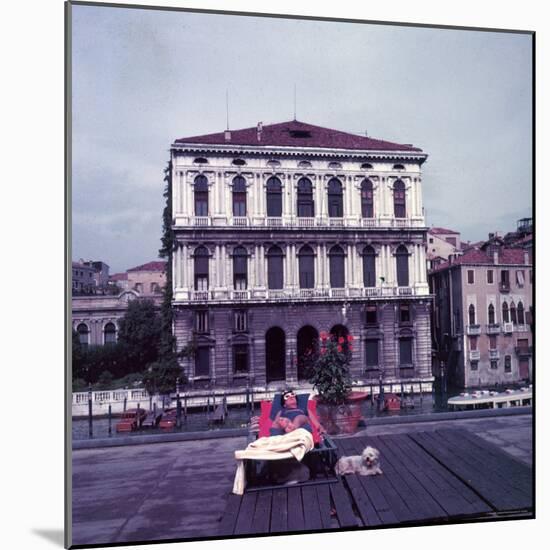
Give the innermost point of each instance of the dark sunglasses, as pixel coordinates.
(288, 395)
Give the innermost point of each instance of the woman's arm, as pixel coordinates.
(275, 423)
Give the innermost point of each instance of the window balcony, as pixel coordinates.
(474, 355)
(199, 296)
(524, 351)
(336, 222)
(504, 286)
(200, 221)
(493, 328)
(278, 294)
(369, 222)
(306, 222)
(473, 330)
(494, 354)
(338, 293)
(274, 222)
(240, 221)
(240, 295)
(401, 222)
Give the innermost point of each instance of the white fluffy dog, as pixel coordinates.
(365, 464)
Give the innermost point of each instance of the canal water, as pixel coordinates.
(239, 417)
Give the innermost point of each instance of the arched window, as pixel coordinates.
(305, 198)
(521, 314)
(274, 197)
(239, 196)
(109, 334)
(491, 314)
(369, 266)
(513, 317)
(335, 199)
(201, 196)
(337, 270)
(399, 207)
(275, 278)
(402, 265)
(83, 334)
(201, 257)
(306, 260)
(367, 202)
(505, 314)
(471, 314)
(240, 268)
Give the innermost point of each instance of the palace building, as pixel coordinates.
(287, 230)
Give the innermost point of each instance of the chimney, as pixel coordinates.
(526, 257)
(491, 235)
(259, 131)
(227, 135)
(495, 256)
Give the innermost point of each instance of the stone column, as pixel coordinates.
(182, 182)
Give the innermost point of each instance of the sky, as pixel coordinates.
(143, 78)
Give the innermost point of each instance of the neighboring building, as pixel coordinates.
(287, 230)
(119, 280)
(148, 279)
(96, 318)
(483, 314)
(101, 276)
(83, 278)
(442, 243)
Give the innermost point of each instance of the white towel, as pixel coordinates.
(277, 447)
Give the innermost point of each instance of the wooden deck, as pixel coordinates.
(440, 476)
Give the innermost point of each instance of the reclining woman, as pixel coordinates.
(290, 417)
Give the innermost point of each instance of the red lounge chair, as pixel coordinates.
(320, 460)
(130, 420)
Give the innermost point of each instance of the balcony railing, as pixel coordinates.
(222, 295)
(473, 330)
(474, 355)
(524, 351)
(504, 286)
(296, 221)
(493, 328)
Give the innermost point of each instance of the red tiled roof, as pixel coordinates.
(118, 277)
(299, 134)
(474, 256)
(151, 266)
(442, 230)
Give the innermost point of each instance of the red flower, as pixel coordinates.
(323, 351)
(350, 347)
(350, 338)
(341, 340)
(339, 348)
(324, 336)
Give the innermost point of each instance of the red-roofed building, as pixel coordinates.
(442, 243)
(147, 279)
(287, 230)
(482, 317)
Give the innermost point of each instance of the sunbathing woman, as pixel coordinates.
(290, 417)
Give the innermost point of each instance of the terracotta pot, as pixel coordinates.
(337, 419)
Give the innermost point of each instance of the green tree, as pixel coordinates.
(139, 334)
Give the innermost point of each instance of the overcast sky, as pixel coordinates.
(143, 78)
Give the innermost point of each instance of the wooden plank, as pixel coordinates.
(312, 514)
(518, 470)
(243, 524)
(295, 520)
(279, 511)
(502, 468)
(414, 492)
(229, 517)
(342, 504)
(417, 499)
(323, 498)
(453, 496)
(388, 504)
(262, 512)
(362, 502)
(471, 471)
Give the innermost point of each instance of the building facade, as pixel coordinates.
(83, 279)
(288, 230)
(96, 318)
(148, 279)
(442, 243)
(482, 323)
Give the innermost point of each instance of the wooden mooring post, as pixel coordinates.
(90, 429)
(110, 421)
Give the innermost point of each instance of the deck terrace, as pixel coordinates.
(446, 475)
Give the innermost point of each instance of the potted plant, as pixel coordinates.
(339, 407)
